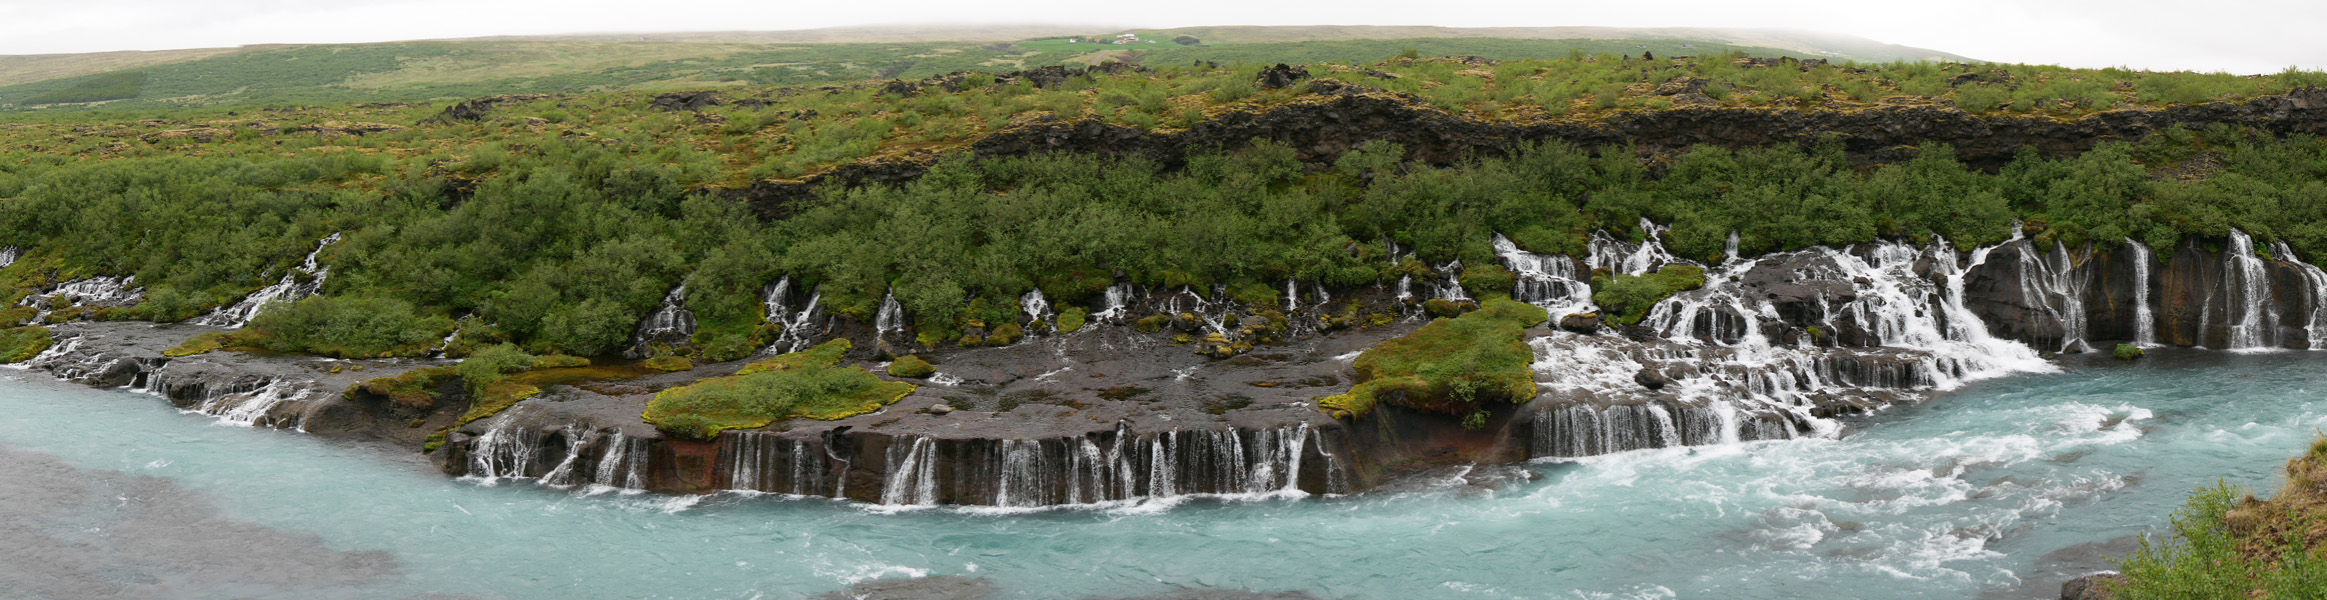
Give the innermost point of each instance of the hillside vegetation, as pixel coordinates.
(556, 223)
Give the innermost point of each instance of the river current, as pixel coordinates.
(1995, 490)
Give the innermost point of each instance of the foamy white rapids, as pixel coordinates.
(2315, 287)
(799, 329)
(94, 291)
(891, 317)
(1098, 469)
(1729, 364)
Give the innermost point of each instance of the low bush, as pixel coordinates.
(20, 344)
(1629, 297)
(351, 327)
(1451, 366)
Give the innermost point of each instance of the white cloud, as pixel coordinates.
(2244, 36)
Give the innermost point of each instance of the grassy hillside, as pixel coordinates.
(425, 70)
(1799, 43)
(557, 222)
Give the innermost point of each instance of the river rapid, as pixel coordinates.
(2000, 489)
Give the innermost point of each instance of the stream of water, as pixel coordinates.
(1962, 497)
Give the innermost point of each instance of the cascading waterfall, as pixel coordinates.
(766, 462)
(2246, 294)
(891, 317)
(1547, 281)
(303, 281)
(2315, 289)
(671, 323)
(568, 472)
(1117, 304)
(1725, 376)
(1036, 308)
(103, 291)
(1449, 286)
(2055, 288)
(1022, 473)
(246, 409)
(505, 451)
(1627, 258)
(2144, 321)
(912, 473)
(8, 256)
(795, 334)
(623, 464)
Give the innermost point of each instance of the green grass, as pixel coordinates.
(1451, 366)
(808, 384)
(910, 366)
(109, 86)
(20, 344)
(1629, 297)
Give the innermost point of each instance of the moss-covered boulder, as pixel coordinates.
(1627, 298)
(559, 361)
(808, 384)
(668, 364)
(1072, 318)
(415, 389)
(1451, 366)
(911, 367)
(2129, 352)
(201, 343)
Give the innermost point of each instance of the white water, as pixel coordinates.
(2246, 295)
(1542, 280)
(107, 291)
(2315, 286)
(1036, 310)
(801, 328)
(671, 322)
(2055, 287)
(890, 319)
(2144, 321)
(303, 281)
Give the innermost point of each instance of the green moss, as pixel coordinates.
(1444, 308)
(496, 397)
(668, 364)
(808, 384)
(1071, 319)
(1488, 280)
(203, 343)
(18, 315)
(20, 344)
(1254, 294)
(412, 389)
(1007, 334)
(1450, 366)
(1152, 323)
(911, 366)
(559, 361)
(1629, 297)
(2128, 352)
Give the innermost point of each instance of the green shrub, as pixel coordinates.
(348, 328)
(491, 365)
(1071, 319)
(559, 361)
(414, 389)
(1488, 280)
(912, 367)
(2128, 352)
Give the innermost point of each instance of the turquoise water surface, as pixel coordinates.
(1960, 497)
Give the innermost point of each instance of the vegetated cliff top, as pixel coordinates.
(795, 132)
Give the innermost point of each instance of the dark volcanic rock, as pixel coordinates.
(1583, 323)
(1649, 378)
(677, 101)
(2090, 587)
(1281, 76)
(475, 109)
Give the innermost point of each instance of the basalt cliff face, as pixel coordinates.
(1172, 392)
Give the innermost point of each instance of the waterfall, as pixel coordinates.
(247, 408)
(1627, 258)
(1450, 278)
(505, 451)
(671, 323)
(1117, 304)
(912, 472)
(795, 335)
(1036, 308)
(2051, 284)
(303, 281)
(8, 256)
(1542, 280)
(101, 291)
(568, 472)
(2246, 294)
(891, 317)
(767, 462)
(2315, 290)
(2144, 322)
(1729, 364)
(1122, 465)
(623, 464)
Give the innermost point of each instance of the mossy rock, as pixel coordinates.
(910, 366)
(1628, 298)
(1007, 334)
(809, 384)
(200, 344)
(668, 364)
(1488, 280)
(20, 344)
(971, 340)
(559, 361)
(496, 397)
(2129, 352)
(413, 389)
(1444, 308)
(17, 316)
(1072, 319)
(1152, 323)
(1450, 366)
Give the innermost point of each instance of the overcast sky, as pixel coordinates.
(2241, 36)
